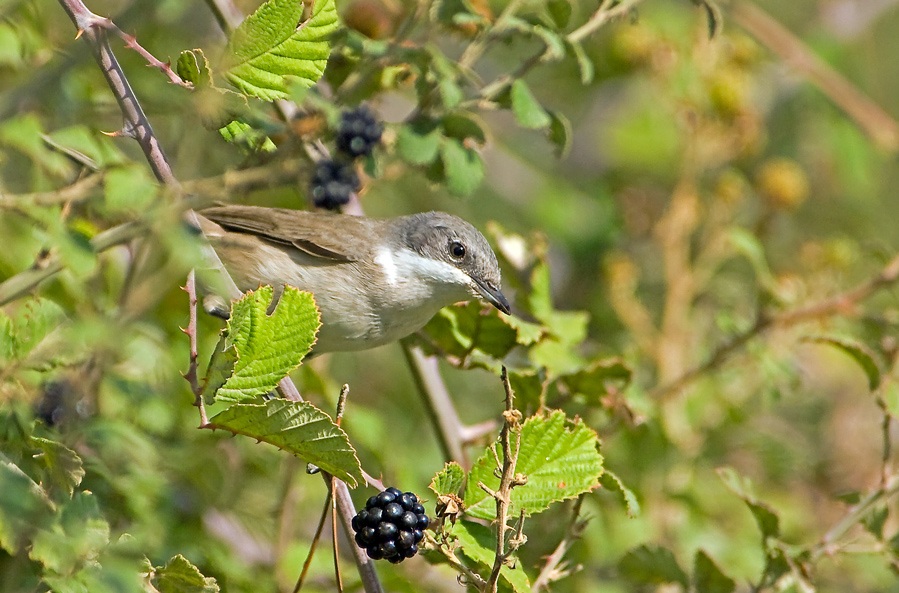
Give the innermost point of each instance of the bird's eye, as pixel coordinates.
(457, 250)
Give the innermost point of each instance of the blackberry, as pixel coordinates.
(359, 132)
(391, 525)
(333, 182)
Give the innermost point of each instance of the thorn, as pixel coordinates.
(115, 134)
(79, 33)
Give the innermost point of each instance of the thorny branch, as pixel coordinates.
(90, 26)
(191, 330)
(510, 441)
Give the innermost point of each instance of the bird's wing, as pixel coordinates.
(301, 229)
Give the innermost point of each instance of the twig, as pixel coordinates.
(132, 43)
(190, 288)
(552, 570)
(137, 126)
(855, 515)
(315, 538)
(78, 191)
(438, 403)
(879, 125)
(599, 18)
(508, 480)
(844, 302)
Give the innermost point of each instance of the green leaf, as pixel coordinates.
(193, 66)
(875, 521)
(275, 42)
(527, 333)
(749, 246)
(461, 329)
(448, 480)
(859, 352)
(526, 108)
(592, 381)
(559, 133)
(33, 324)
(765, 517)
(76, 540)
(247, 137)
(528, 388)
(296, 427)
(652, 566)
(129, 189)
(418, 142)
(267, 347)
(462, 126)
(708, 578)
(560, 459)
(24, 507)
(462, 166)
(613, 483)
(63, 466)
(478, 543)
(584, 63)
(180, 576)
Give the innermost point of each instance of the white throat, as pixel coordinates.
(421, 276)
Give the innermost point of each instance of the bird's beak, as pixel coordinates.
(492, 295)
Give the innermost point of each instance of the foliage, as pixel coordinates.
(700, 253)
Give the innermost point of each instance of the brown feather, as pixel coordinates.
(306, 231)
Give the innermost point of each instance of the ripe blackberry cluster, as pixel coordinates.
(391, 525)
(333, 182)
(359, 132)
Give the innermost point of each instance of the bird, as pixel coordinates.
(374, 280)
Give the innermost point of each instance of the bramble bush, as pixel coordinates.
(696, 389)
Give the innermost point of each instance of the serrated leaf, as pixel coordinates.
(267, 347)
(478, 543)
(859, 352)
(448, 480)
(418, 142)
(24, 507)
(180, 576)
(76, 539)
(461, 329)
(560, 459)
(527, 333)
(526, 108)
(193, 66)
(247, 137)
(708, 578)
(559, 133)
(462, 166)
(765, 517)
(274, 43)
(63, 466)
(652, 566)
(296, 427)
(613, 483)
